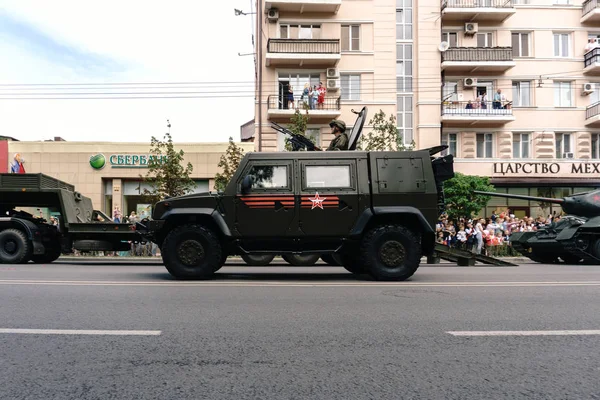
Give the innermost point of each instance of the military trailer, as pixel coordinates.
(375, 211)
(25, 237)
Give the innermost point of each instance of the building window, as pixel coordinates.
(450, 139)
(521, 93)
(484, 39)
(563, 145)
(521, 145)
(269, 176)
(350, 37)
(561, 45)
(520, 44)
(404, 24)
(562, 2)
(328, 176)
(485, 145)
(350, 87)
(305, 31)
(595, 145)
(405, 119)
(563, 96)
(451, 38)
(450, 91)
(404, 67)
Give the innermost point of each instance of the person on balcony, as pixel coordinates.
(497, 103)
(321, 92)
(589, 46)
(291, 98)
(469, 105)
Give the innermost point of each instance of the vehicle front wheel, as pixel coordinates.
(15, 248)
(390, 252)
(192, 252)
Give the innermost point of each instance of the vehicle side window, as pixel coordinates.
(329, 176)
(269, 176)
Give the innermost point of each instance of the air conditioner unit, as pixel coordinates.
(273, 14)
(588, 88)
(568, 155)
(333, 73)
(471, 28)
(333, 84)
(470, 82)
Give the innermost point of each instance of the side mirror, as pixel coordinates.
(247, 183)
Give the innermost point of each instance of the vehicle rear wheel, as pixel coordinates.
(331, 259)
(258, 260)
(192, 252)
(15, 248)
(300, 260)
(51, 254)
(391, 252)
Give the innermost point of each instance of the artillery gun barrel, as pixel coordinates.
(522, 197)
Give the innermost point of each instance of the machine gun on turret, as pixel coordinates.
(574, 237)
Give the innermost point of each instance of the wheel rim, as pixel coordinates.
(10, 247)
(190, 253)
(392, 253)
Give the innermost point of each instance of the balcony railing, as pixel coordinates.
(474, 109)
(588, 5)
(476, 54)
(283, 102)
(591, 57)
(477, 4)
(304, 46)
(592, 110)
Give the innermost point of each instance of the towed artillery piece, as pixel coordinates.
(574, 238)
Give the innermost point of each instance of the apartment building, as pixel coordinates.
(437, 65)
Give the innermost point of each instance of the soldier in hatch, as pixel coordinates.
(340, 142)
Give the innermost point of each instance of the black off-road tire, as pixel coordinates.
(595, 248)
(331, 259)
(192, 252)
(300, 260)
(53, 251)
(258, 260)
(390, 252)
(15, 248)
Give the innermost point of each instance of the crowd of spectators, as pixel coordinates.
(487, 236)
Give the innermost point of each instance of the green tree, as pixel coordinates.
(460, 199)
(298, 124)
(166, 174)
(385, 135)
(229, 163)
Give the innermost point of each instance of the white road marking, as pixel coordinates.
(525, 333)
(79, 332)
(217, 283)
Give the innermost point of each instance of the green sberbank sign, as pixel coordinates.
(99, 161)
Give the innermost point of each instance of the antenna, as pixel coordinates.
(443, 46)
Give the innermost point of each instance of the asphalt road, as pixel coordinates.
(131, 332)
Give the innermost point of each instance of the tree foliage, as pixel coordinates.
(166, 174)
(461, 202)
(385, 135)
(228, 163)
(298, 124)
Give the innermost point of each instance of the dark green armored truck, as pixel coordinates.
(26, 237)
(376, 211)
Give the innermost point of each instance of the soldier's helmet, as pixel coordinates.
(339, 123)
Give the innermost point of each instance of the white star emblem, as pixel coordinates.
(317, 201)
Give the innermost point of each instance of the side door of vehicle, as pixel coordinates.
(329, 200)
(269, 208)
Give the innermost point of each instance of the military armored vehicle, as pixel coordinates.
(574, 238)
(25, 237)
(374, 211)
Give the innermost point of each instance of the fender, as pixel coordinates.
(367, 214)
(216, 217)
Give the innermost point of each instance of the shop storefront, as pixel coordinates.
(111, 174)
(554, 178)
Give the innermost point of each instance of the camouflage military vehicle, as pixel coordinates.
(26, 237)
(375, 211)
(574, 238)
